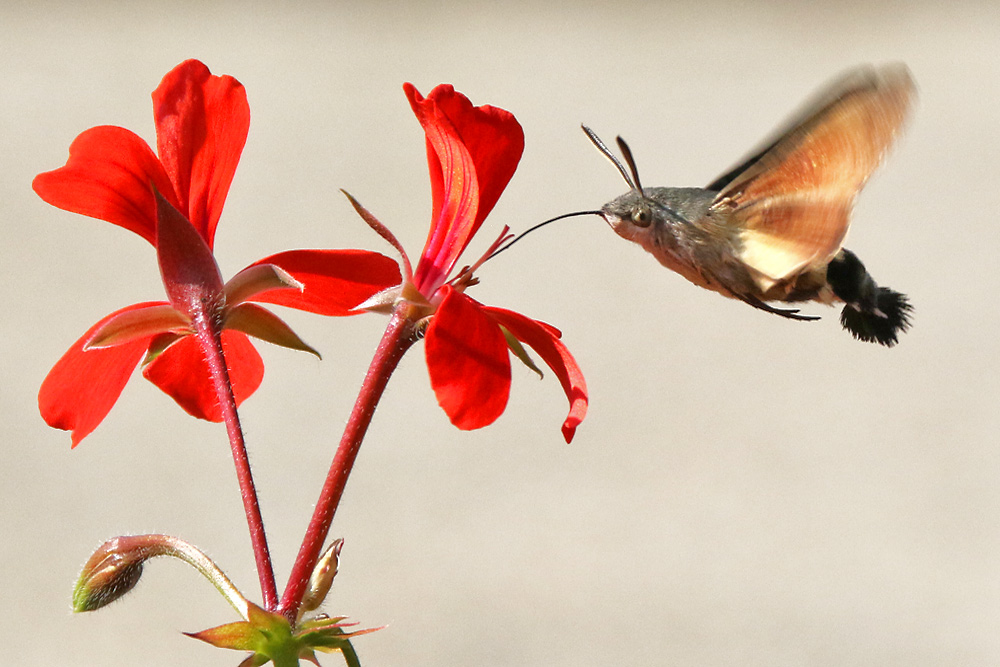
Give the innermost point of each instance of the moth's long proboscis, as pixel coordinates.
(539, 225)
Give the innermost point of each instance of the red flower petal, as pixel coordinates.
(201, 126)
(182, 373)
(84, 385)
(455, 193)
(544, 339)
(335, 281)
(493, 138)
(108, 176)
(467, 361)
(472, 153)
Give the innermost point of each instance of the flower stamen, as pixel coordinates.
(465, 278)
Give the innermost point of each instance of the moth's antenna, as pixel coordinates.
(627, 152)
(611, 156)
(541, 224)
(633, 179)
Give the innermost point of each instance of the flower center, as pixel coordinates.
(465, 277)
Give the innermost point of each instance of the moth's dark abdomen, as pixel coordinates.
(872, 314)
(850, 280)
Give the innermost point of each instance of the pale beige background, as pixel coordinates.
(745, 491)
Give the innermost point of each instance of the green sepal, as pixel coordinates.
(266, 634)
(239, 636)
(270, 638)
(255, 280)
(522, 354)
(128, 325)
(159, 345)
(261, 323)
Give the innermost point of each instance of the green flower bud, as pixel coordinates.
(111, 572)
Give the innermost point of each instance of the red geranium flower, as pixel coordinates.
(173, 199)
(472, 153)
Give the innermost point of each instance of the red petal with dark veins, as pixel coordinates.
(201, 127)
(108, 176)
(84, 385)
(493, 138)
(335, 281)
(182, 373)
(544, 339)
(455, 193)
(467, 361)
(472, 153)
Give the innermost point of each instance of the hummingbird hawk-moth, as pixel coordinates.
(771, 228)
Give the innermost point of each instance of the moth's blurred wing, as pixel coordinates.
(792, 200)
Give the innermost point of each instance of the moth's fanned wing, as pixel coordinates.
(809, 111)
(793, 198)
(784, 237)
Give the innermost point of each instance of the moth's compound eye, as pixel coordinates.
(642, 216)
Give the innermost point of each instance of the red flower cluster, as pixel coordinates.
(173, 199)
(472, 153)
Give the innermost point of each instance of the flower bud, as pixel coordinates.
(322, 577)
(116, 566)
(112, 571)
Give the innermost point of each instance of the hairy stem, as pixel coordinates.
(210, 337)
(398, 337)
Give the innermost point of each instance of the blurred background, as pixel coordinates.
(746, 490)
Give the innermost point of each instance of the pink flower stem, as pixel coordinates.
(210, 337)
(396, 340)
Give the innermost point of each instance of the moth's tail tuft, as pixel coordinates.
(873, 314)
(884, 323)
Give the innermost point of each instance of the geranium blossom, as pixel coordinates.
(472, 153)
(173, 198)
